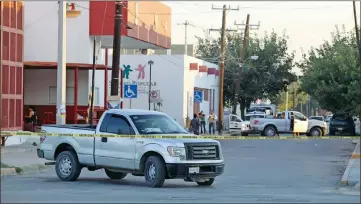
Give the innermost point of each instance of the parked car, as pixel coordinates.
(342, 123)
(302, 125)
(320, 118)
(194, 160)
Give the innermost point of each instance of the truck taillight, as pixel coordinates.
(42, 138)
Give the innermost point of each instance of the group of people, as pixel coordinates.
(198, 123)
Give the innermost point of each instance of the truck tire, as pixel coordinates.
(270, 131)
(315, 131)
(154, 172)
(206, 183)
(115, 175)
(67, 166)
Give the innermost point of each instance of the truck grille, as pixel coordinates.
(209, 151)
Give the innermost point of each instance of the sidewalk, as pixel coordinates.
(20, 159)
(351, 176)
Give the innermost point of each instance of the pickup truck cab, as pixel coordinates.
(194, 160)
(302, 125)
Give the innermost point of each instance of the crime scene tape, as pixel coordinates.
(216, 137)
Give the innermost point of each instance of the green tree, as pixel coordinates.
(262, 78)
(332, 74)
(295, 95)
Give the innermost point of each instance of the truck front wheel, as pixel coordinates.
(67, 166)
(206, 183)
(154, 172)
(115, 175)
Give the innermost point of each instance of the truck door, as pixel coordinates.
(115, 152)
(235, 123)
(300, 123)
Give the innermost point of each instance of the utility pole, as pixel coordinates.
(221, 65)
(114, 88)
(186, 24)
(294, 98)
(61, 72)
(93, 85)
(242, 59)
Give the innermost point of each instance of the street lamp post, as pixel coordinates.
(150, 62)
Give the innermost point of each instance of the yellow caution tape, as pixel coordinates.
(24, 133)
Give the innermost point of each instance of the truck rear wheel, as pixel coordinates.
(154, 172)
(270, 131)
(67, 166)
(206, 183)
(115, 175)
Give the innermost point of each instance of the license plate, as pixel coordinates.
(339, 129)
(194, 170)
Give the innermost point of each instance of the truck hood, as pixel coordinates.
(180, 142)
(314, 122)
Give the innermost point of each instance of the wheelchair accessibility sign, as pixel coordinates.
(198, 96)
(130, 91)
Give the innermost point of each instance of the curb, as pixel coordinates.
(23, 169)
(355, 155)
(8, 171)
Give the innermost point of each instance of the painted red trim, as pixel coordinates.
(53, 65)
(203, 69)
(193, 66)
(106, 80)
(211, 71)
(76, 78)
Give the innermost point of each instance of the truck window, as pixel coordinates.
(156, 124)
(299, 116)
(116, 124)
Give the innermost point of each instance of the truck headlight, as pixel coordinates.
(177, 152)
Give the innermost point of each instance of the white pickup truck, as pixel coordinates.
(302, 125)
(194, 160)
(243, 127)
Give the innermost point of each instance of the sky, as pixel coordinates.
(306, 23)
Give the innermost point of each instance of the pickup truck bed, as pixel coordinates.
(74, 126)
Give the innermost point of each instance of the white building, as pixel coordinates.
(176, 77)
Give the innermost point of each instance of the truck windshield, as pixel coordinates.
(156, 124)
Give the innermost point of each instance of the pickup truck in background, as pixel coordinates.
(194, 160)
(302, 125)
(243, 127)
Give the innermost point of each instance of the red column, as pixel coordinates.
(76, 95)
(106, 79)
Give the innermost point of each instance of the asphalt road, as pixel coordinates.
(256, 171)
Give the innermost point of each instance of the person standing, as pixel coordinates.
(212, 118)
(202, 119)
(195, 124)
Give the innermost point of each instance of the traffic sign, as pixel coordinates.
(198, 96)
(154, 96)
(130, 91)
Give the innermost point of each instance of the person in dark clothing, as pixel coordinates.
(195, 124)
(31, 117)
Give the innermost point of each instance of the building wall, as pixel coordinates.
(41, 36)
(37, 92)
(11, 64)
(177, 49)
(195, 79)
(172, 78)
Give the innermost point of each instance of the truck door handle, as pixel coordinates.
(104, 139)
(140, 141)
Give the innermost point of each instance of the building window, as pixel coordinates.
(69, 95)
(206, 94)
